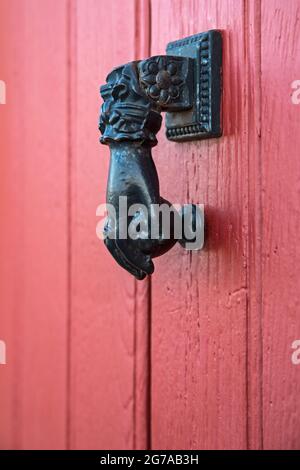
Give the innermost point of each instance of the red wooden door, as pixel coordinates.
(201, 355)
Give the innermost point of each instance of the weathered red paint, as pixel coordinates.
(34, 243)
(109, 372)
(280, 170)
(77, 328)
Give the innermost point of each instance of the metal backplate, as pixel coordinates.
(203, 121)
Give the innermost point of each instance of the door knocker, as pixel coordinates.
(186, 83)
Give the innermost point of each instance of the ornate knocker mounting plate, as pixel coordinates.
(203, 120)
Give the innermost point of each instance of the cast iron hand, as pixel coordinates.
(133, 97)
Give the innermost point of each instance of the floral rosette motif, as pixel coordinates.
(161, 79)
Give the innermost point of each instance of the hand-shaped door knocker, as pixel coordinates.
(187, 84)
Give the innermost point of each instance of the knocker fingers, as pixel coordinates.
(135, 256)
(109, 233)
(121, 259)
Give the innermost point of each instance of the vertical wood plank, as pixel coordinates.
(254, 223)
(200, 300)
(142, 327)
(281, 252)
(33, 273)
(109, 324)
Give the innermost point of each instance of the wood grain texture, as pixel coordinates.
(200, 300)
(280, 242)
(253, 234)
(33, 273)
(109, 321)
